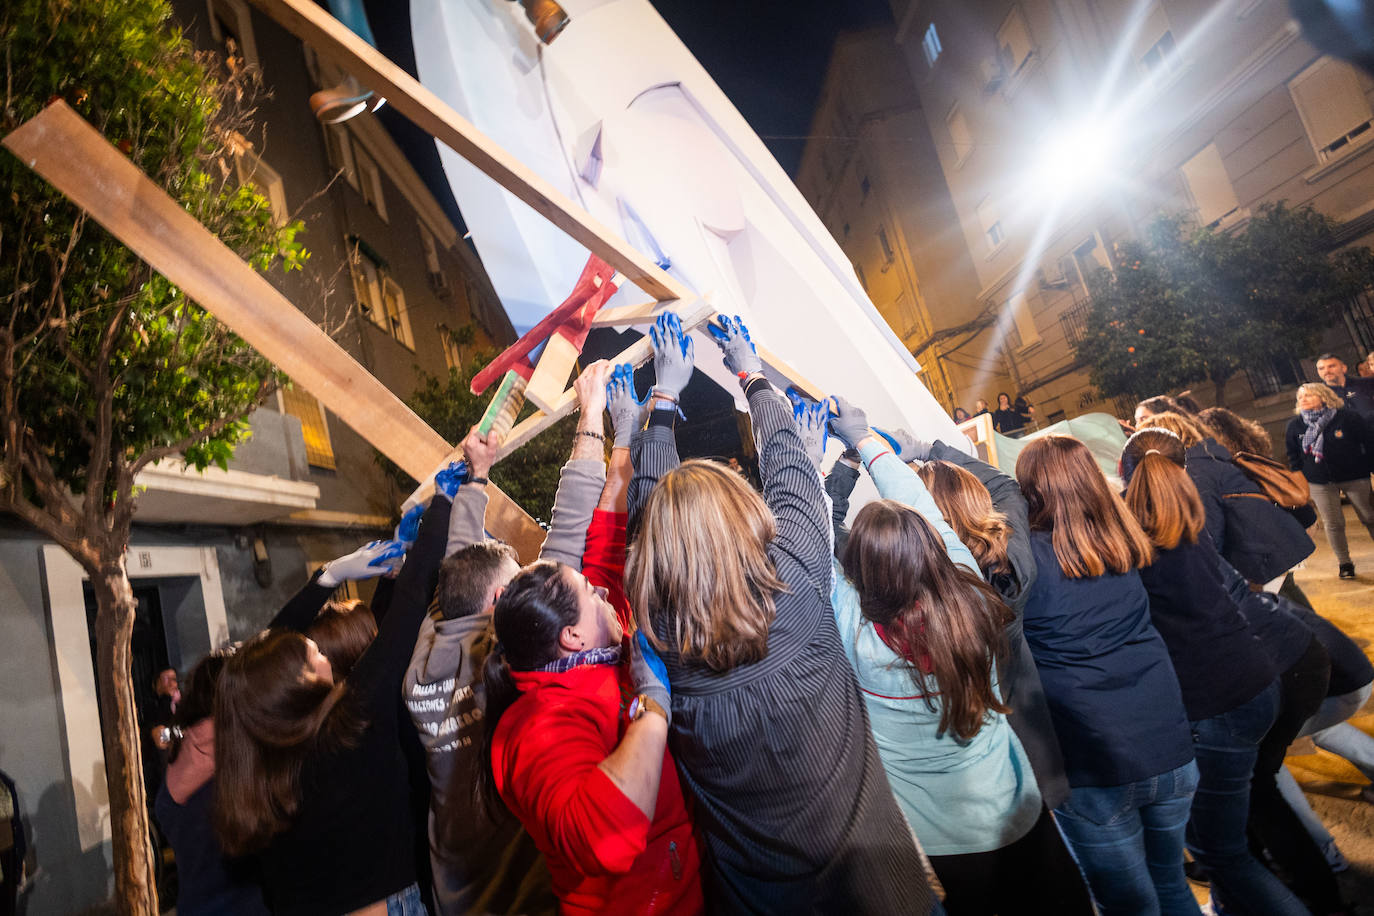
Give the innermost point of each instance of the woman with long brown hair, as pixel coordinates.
(922, 630)
(986, 509)
(311, 777)
(207, 882)
(1229, 685)
(1111, 687)
(768, 724)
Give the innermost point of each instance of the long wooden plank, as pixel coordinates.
(312, 24)
(76, 159)
(636, 354)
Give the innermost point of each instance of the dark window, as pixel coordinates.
(864, 187)
(1074, 322)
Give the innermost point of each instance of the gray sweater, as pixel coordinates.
(483, 862)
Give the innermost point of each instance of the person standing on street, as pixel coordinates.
(1333, 445)
(1358, 393)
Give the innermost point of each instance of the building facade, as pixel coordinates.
(1209, 109)
(871, 172)
(213, 556)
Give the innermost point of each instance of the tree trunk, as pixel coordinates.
(135, 883)
(1219, 380)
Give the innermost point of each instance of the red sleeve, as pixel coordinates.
(603, 562)
(556, 788)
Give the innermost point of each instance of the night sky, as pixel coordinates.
(769, 57)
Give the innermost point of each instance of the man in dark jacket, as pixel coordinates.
(1358, 393)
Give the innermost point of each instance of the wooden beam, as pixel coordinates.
(636, 354)
(551, 373)
(792, 376)
(312, 24)
(627, 316)
(76, 159)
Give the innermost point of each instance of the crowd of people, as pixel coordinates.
(1011, 418)
(981, 694)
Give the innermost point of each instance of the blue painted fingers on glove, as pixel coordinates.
(732, 337)
(847, 422)
(375, 558)
(674, 355)
(448, 480)
(625, 407)
(648, 674)
(811, 419)
(409, 528)
(907, 446)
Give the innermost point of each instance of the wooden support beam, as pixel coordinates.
(636, 354)
(77, 160)
(794, 378)
(551, 373)
(312, 24)
(627, 316)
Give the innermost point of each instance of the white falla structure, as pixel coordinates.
(618, 115)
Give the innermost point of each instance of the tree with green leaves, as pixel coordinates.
(529, 475)
(105, 366)
(1184, 305)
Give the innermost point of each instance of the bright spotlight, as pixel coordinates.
(1075, 161)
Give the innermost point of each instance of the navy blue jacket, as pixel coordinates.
(1256, 536)
(1219, 662)
(1111, 687)
(1347, 448)
(1358, 394)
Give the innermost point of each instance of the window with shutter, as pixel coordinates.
(1331, 101)
(301, 404)
(1210, 186)
(961, 138)
(1024, 320)
(1014, 45)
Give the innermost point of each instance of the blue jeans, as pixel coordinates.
(1129, 842)
(406, 903)
(1227, 746)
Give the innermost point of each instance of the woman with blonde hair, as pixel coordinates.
(1111, 687)
(768, 725)
(1333, 446)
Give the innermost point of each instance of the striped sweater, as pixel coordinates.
(793, 803)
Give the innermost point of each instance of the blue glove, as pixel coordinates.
(648, 674)
(450, 478)
(624, 406)
(674, 355)
(375, 558)
(409, 529)
(906, 446)
(811, 419)
(733, 339)
(847, 422)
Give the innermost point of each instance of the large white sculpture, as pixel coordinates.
(618, 115)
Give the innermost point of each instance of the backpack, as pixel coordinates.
(1287, 488)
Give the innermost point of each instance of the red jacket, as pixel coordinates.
(604, 855)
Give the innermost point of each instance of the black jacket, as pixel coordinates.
(1347, 448)
(1358, 394)
(1255, 535)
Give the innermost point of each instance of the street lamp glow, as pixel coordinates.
(1075, 161)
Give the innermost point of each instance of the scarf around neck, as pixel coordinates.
(1316, 421)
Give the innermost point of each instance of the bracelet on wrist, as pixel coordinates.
(590, 434)
(480, 481)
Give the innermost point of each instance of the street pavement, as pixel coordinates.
(1332, 784)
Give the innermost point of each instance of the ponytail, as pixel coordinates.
(1159, 492)
(501, 694)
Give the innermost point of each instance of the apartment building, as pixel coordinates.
(213, 556)
(1063, 126)
(871, 172)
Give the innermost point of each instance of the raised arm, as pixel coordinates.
(1006, 499)
(839, 484)
(791, 484)
(373, 559)
(466, 522)
(894, 479)
(653, 450)
(583, 477)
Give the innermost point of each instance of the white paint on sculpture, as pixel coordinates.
(619, 115)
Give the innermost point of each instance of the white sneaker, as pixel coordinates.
(1333, 856)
